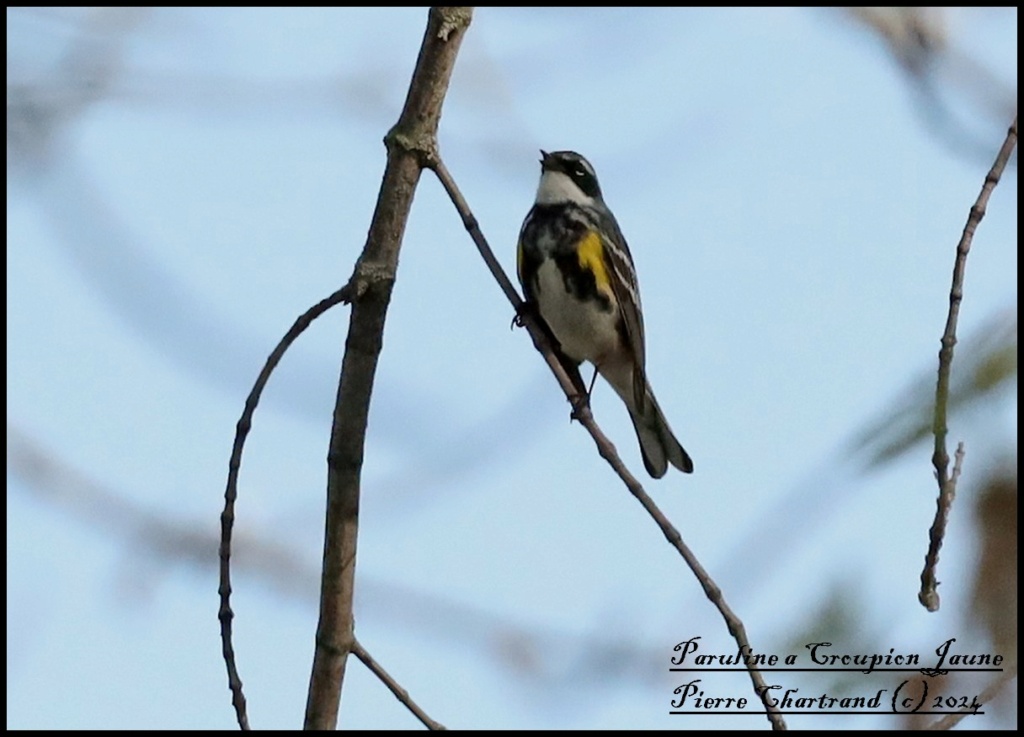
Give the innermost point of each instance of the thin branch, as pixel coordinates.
(227, 516)
(400, 693)
(929, 595)
(951, 720)
(408, 143)
(604, 446)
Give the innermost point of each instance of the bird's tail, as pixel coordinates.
(658, 444)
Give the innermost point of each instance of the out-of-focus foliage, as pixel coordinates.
(983, 366)
(994, 603)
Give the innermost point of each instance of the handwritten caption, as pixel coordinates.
(911, 696)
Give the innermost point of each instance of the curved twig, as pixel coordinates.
(227, 517)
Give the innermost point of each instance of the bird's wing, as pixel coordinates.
(619, 262)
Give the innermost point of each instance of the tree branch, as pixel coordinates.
(929, 595)
(409, 143)
(400, 693)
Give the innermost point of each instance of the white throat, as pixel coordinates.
(557, 188)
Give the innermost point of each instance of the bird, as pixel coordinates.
(577, 274)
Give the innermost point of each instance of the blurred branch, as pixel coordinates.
(128, 269)
(39, 114)
(919, 40)
(561, 657)
(911, 34)
(407, 142)
(58, 483)
(951, 720)
(929, 596)
(604, 446)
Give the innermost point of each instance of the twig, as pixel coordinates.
(951, 720)
(227, 517)
(604, 446)
(400, 693)
(929, 595)
(408, 143)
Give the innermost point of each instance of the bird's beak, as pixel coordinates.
(546, 160)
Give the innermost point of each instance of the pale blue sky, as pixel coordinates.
(793, 213)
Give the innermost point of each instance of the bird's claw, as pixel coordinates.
(579, 402)
(519, 319)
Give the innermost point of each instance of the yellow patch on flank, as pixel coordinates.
(591, 254)
(519, 261)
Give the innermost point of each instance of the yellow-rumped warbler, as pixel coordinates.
(577, 272)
